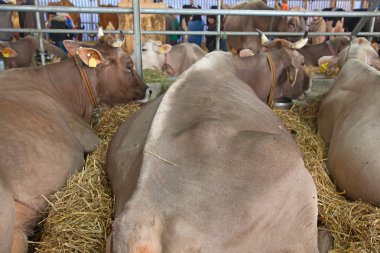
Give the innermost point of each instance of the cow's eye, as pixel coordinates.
(130, 65)
(143, 49)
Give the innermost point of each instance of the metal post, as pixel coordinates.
(137, 36)
(40, 39)
(364, 20)
(218, 26)
(372, 26)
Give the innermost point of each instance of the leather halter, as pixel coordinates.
(86, 81)
(273, 81)
(330, 47)
(167, 67)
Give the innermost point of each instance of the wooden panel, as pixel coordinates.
(148, 22)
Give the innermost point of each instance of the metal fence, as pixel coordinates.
(137, 29)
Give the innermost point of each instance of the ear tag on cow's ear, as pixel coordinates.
(92, 62)
(5, 54)
(324, 66)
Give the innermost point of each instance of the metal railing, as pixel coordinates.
(218, 12)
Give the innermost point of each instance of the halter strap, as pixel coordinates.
(273, 81)
(86, 81)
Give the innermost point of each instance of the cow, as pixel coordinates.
(5, 22)
(208, 167)
(313, 53)
(25, 50)
(108, 21)
(251, 23)
(44, 133)
(172, 60)
(349, 121)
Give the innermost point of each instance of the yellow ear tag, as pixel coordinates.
(162, 50)
(92, 62)
(324, 66)
(6, 54)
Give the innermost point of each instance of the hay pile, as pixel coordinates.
(319, 70)
(355, 226)
(80, 215)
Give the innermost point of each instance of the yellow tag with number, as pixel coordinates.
(324, 66)
(92, 62)
(5, 54)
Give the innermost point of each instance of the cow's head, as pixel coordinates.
(340, 43)
(359, 49)
(153, 54)
(7, 54)
(291, 81)
(116, 80)
(291, 24)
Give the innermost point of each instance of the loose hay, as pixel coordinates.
(355, 226)
(319, 70)
(80, 215)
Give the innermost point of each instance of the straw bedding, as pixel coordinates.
(80, 214)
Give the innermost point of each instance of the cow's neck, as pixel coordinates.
(66, 83)
(313, 52)
(255, 71)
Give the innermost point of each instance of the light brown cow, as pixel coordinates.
(173, 60)
(313, 53)
(43, 129)
(210, 168)
(251, 23)
(26, 49)
(109, 21)
(349, 121)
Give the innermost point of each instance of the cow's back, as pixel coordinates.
(247, 24)
(5, 22)
(187, 54)
(348, 120)
(217, 172)
(26, 49)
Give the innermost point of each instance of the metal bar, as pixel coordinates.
(137, 37)
(372, 26)
(364, 20)
(119, 10)
(218, 26)
(39, 34)
(129, 32)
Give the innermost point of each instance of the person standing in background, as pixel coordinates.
(318, 25)
(184, 19)
(173, 26)
(285, 6)
(196, 24)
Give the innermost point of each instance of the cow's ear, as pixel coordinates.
(91, 57)
(8, 52)
(375, 63)
(331, 60)
(246, 53)
(71, 46)
(164, 49)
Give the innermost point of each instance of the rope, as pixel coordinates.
(86, 81)
(273, 76)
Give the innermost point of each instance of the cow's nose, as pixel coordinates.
(150, 91)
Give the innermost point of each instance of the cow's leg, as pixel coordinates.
(7, 218)
(24, 217)
(325, 240)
